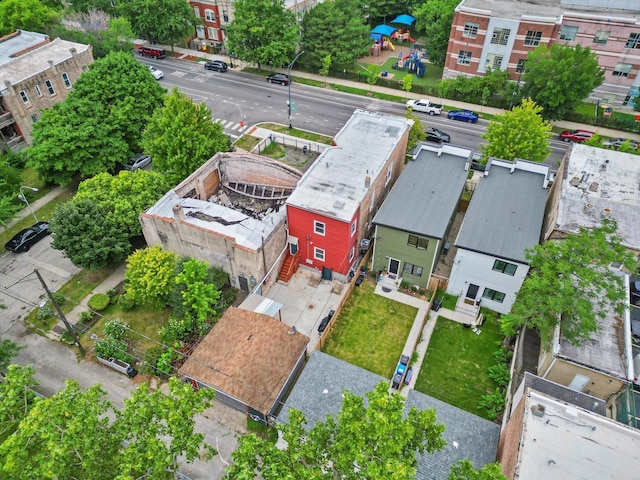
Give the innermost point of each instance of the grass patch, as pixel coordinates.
(246, 142)
(454, 368)
(30, 177)
(294, 132)
(448, 301)
(371, 331)
(431, 77)
(43, 214)
(82, 284)
(261, 430)
(273, 150)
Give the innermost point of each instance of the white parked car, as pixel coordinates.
(155, 72)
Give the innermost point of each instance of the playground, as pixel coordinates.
(397, 52)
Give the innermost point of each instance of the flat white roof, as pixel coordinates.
(597, 183)
(566, 441)
(15, 70)
(245, 230)
(335, 184)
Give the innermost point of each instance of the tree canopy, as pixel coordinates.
(262, 31)
(159, 21)
(335, 29)
(181, 136)
(150, 275)
(8, 350)
(363, 442)
(31, 15)
(98, 126)
(434, 19)
(463, 470)
(79, 434)
(519, 133)
(560, 77)
(570, 284)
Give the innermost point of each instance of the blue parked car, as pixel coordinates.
(463, 116)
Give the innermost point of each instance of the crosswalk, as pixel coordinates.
(231, 128)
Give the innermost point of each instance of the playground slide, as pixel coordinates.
(404, 59)
(391, 46)
(412, 40)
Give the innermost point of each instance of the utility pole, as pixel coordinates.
(289, 76)
(70, 329)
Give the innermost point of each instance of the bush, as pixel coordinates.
(98, 302)
(111, 348)
(59, 298)
(44, 313)
(86, 317)
(116, 329)
(126, 303)
(493, 403)
(150, 360)
(499, 373)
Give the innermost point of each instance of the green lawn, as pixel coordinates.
(370, 331)
(454, 368)
(432, 75)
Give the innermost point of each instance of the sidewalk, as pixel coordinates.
(239, 65)
(35, 205)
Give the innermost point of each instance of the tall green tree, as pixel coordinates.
(79, 434)
(124, 196)
(416, 133)
(262, 31)
(89, 237)
(560, 77)
(337, 29)
(519, 133)
(570, 284)
(151, 275)
(463, 470)
(181, 136)
(8, 350)
(31, 15)
(433, 21)
(99, 125)
(83, 6)
(199, 296)
(364, 442)
(159, 21)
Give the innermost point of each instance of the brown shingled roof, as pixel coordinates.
(247, 355)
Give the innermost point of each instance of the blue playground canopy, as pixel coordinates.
(385, 30)
(404, 20)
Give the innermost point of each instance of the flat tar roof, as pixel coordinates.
(335, 184)
(597, 183)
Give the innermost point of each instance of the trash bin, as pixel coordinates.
(436, 305)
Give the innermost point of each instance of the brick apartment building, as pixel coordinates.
(498, 34)
(35, 73)
(215, 16)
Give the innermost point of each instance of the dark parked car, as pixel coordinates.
(139, 160)
(280, 78)
(577, 136)
(216, 65)
(615, 143)
(463, 116)
(23, 240)
(435, 135)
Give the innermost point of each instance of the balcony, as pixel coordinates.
(6, 119)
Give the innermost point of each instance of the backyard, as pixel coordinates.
(370, 331)
(455, 366)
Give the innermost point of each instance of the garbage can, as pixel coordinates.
(436, 304)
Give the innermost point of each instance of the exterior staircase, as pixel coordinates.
(289, 267)
(468, 308)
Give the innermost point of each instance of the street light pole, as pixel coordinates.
(289, 76)
(22, 197)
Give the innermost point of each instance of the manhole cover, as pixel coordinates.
(386, 289)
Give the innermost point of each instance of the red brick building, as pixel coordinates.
(215, 16)
(499, 34)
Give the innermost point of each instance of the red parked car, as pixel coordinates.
(577, 136)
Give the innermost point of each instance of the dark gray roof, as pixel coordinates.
(318, 393)
(426, 194)
(505, 214)
(565, 394)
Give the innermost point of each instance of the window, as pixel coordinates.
(622, 69)
(318, 253)
(196, 11)
(533, 38)
(212, 33)
(464, 57)
(34, 118)
(520, 67)
(65, 79)
(210, 15)
(353, 228)
(601, 37)
(318, 227)
(50, 87)
(225, 16)
(470, 30)
(389, 173)
(352, 253)
(568, 32)
(24, 97)
(493, 295)
(38, 91)
(412, 269)
(634, 41)
(500, 36)
(415, 241)
(494, 62)
(504, 267)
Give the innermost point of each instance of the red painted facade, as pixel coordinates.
(338, 241)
